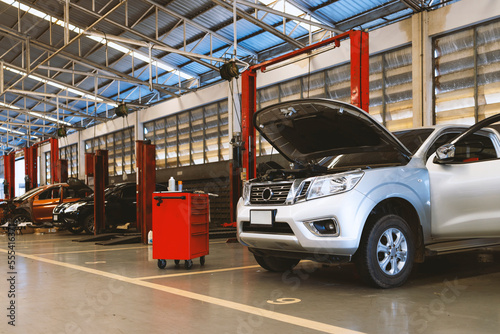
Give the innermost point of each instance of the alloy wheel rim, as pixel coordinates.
(20, 219)
(90, 225)
(392, 251)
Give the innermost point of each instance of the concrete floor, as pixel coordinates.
(68, 287)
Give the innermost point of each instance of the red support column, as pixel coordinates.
(33, 167)
(248, 108)
(360, 90)
(246, 168)
(9, 175)
(30, 167)
(146, 184)
(54, 157)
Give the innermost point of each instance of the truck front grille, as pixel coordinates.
(276, 228)
(270, 193)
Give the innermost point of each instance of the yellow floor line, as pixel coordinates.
(197, 272)
(305, 323)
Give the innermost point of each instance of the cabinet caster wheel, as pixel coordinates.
(188, 264)
(162, 264)
(202, 260)
(177, 262)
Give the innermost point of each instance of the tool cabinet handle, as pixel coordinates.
(160, 199)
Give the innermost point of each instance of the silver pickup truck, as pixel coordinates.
(356, 192)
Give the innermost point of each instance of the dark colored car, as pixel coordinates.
(36, 205)
(120, 208)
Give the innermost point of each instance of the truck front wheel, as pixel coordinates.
(386, 253)
(276, 264)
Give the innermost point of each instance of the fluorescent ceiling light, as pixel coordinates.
(57, 85)
(16, 132)
(8, 106)
(77, 30)
(48, 118)
(36, 114)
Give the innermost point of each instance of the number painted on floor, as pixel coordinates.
(284, 301)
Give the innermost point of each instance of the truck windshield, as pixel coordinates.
(412, 139)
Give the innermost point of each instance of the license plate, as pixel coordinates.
(54, 217)
(262, 217)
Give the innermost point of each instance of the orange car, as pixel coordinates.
(37, 204)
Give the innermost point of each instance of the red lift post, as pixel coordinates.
(9, 175)
(30, 163)
(359, 97)
(54, 157)
(146, 184)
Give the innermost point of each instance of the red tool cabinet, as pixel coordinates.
(180, 227)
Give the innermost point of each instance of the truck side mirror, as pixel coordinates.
(445, 154)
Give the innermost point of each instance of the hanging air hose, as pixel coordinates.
(229, 70)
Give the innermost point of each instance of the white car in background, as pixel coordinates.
(359, 193)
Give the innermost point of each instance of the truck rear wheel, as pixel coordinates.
(386, 253)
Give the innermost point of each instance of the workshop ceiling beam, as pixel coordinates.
(288, 16)
(143, 36)
(260, 24)
(198, 26)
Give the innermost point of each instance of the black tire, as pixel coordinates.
(162, 264)
(276, 264)
(20, 218)
(88, 224)
(386, 252)
(188, 264)
(202, 260)
(177, 262)
(75, 229)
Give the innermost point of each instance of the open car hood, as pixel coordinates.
(79, 187)
(309, 129)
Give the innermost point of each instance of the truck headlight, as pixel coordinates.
(246, 193)
(334, 184)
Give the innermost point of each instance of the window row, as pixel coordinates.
(121, 150)
(70, 153)
(191, 137)
(466, 74)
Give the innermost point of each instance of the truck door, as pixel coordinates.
(465, 192)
